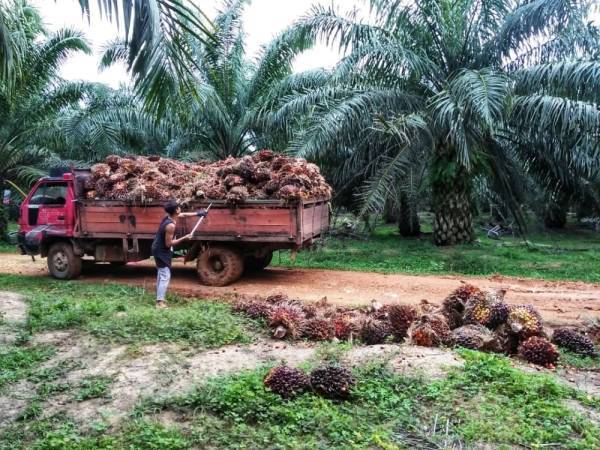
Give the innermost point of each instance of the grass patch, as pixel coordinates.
(17, 362)
(570, 359)
(126, 314)
(486, 402)
(566, 255)
(92, 387)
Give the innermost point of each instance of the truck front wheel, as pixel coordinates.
(62, 261)
(219, 266)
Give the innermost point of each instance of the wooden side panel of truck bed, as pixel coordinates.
(258, 221)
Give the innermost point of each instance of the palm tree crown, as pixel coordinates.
(461, 85)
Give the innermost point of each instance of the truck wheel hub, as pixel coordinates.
(60, 261)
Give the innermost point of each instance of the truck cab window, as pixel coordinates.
(50, 194)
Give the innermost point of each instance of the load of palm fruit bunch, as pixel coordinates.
(264, 175)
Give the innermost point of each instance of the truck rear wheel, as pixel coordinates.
(220, 266)
(255, 264)
(62, 261)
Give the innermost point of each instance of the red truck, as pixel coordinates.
(57, 222)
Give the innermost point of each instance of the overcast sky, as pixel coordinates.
(263, 20)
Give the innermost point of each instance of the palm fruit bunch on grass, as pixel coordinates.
(318, 329)
(234, 180)
(288, 382)
(539, 350)
(345, 326)
(430, 330)
(573, 341)
(487, 309)
(332, 382)
(374, 331)
(475, 337)
(254, 308)
(401, 318)
(286, 320)
(524, 321)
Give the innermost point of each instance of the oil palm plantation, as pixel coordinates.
(220, 113)
(467, 85)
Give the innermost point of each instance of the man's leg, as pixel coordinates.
(162, 283)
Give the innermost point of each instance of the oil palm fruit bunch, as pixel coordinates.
(525, 321)
(539, 350)
(430, 330)
(487, 309)
(318, 329)
(332, 382)
(286, 320)
(256, 309)
(475, 337)
(374, 331)
(401, 318)
(286, 381)
(592, 330)
(506, 340)
(345, 326)
(277, 298)
(573, 341)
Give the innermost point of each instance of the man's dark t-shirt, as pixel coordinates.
(162, 254)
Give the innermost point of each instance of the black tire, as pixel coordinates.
(256, 264)
(118, 263)
(62, 261)
(219, 266)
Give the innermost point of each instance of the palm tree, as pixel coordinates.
(466, 84)
(32, 100)
(220, 112)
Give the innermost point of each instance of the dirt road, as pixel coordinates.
(560, 302)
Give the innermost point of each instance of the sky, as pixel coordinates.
(263, 20)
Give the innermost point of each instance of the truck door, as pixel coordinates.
(48, 205)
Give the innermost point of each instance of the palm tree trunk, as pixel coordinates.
(452, 205)
(555, 214)
(408, 223)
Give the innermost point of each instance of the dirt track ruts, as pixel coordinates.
(560, 302)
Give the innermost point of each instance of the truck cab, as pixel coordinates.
(46, 223)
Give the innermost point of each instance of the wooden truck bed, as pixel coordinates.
(268, 221)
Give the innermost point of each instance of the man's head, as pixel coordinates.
(172, 208)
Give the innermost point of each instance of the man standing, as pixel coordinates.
(162, 247)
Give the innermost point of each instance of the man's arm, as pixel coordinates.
(170, 234)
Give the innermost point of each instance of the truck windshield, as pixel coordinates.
(50, 194)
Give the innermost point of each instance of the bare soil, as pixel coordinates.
(560, 302)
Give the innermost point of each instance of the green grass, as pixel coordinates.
(570, 359)
(126, 314)
(5, 247)
(565, 255)
(487, 401)
(96, 386)
(18, 362)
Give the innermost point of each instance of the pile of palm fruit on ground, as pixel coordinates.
(468, 317)
(264, 175)
(329, 381)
